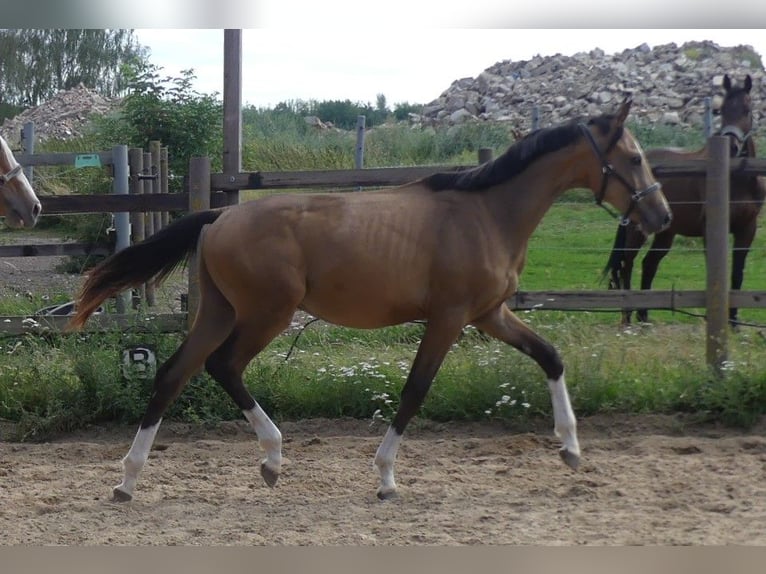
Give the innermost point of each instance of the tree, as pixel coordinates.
(37, 63)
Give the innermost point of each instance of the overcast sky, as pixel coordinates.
(342, 60)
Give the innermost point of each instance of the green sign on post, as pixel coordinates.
(87, 160)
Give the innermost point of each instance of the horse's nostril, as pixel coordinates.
(37, 210)
(668, 219)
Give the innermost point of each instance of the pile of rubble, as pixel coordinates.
(62, 117)
(669, 85)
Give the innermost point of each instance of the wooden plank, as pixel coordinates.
(698, 167)
(622, 299)
(58, 204)
(134, 323)
(370, 177)
(53, 249)
(59, 158)
(524, 300)
(388, 176)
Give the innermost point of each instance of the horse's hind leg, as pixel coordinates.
(743, 239)
(213, 323)
(657, 251)
(168, 383)
(226, 366)
(504, 325)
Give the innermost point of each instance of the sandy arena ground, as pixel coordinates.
(644, 480)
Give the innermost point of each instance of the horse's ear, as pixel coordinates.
(726, 82)
(748, 83)
(622, 113)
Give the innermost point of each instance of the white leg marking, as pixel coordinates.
(565, 425)
(269, 437)
(384, 461)
(136, 458)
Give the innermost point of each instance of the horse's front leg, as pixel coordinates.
(504, 325)
(439, 336)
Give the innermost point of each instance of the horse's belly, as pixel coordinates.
(359, 313)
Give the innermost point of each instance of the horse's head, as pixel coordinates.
(736, 115)
(18, 202)
(621, 175)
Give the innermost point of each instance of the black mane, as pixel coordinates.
(517, 158)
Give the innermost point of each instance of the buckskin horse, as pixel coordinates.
(447, 249)
(686, 196)
(19, 204)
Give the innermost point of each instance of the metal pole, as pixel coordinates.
(535, 118)
(708, 117)
(136, 164)
(149, 230)
(359, 155)
(121, 186)
(154, 149)
(28, 145)
(164, 188)
(716, 250)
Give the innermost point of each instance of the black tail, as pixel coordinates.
(616, 258)
(155, 257)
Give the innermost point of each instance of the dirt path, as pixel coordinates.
(644, 480)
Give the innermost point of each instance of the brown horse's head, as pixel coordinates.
(18, 202)
(626, 179)
(736, 115)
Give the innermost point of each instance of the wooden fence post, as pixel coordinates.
(149, 230)
(199, 200)
(136, 164)
(716, 250)
(485, 155)
(232, 107)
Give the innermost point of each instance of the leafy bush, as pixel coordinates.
(169, 110)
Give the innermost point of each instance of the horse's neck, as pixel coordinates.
(522, 201)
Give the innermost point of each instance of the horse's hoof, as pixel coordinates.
(387, 494)
(571, 459)
(269, 476)
(119, 495)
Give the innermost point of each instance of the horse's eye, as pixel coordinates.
(636, 160)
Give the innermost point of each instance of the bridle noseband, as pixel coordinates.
(740, 136)
(607, 169)
(4, 179)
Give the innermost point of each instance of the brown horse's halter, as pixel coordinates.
(607, 169)
(4, 179)
(740, 136)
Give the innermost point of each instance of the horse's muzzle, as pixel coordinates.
(653, 208)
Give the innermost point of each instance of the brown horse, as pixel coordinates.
(686, 195)
(18, 202)
(447, 249)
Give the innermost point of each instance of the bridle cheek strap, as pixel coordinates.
(4, 179)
